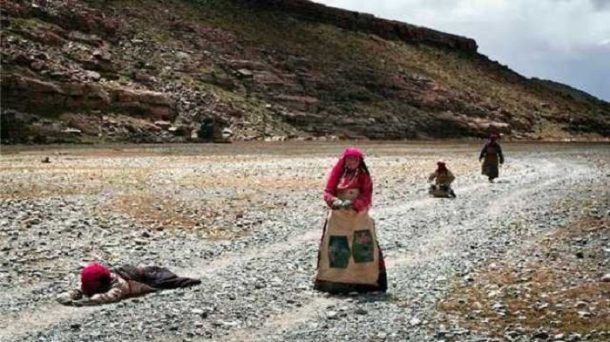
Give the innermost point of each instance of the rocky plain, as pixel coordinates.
(526, 258)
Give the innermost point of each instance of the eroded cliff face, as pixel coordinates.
(367, 23)
(166, 71)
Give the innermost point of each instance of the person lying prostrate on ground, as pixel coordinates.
(100, 285)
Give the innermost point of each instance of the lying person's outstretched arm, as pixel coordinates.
(67, 298)
(114, 294)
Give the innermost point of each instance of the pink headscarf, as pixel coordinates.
(95, 278)
(363, 181)
(339, 168)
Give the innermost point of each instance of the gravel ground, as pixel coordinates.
(247, 219)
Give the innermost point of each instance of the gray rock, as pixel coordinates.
(182, 55)
(543, 335)
(331, 314)
(245, 73)
(414, 321)
(93, 75)
(361, 311)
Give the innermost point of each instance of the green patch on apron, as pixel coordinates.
(363, 246)
(338, 251)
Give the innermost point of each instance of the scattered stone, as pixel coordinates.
(468, 278)
(543, 335)
(581, 305)
(182, 55)
(163, 124)
(245, 73)
(414, 321)
(361, 311)
(72, 131)
(93, 75)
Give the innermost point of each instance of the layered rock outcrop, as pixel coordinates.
(177, 71)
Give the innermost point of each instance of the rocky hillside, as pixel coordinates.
(200, 70)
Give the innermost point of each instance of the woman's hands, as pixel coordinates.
(339, 204)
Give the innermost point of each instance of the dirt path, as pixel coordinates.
(434, 243)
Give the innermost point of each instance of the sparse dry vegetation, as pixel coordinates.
(553, 288)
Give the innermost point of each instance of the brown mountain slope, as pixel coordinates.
(154, 71)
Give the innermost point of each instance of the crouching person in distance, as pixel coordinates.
(442, 179)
